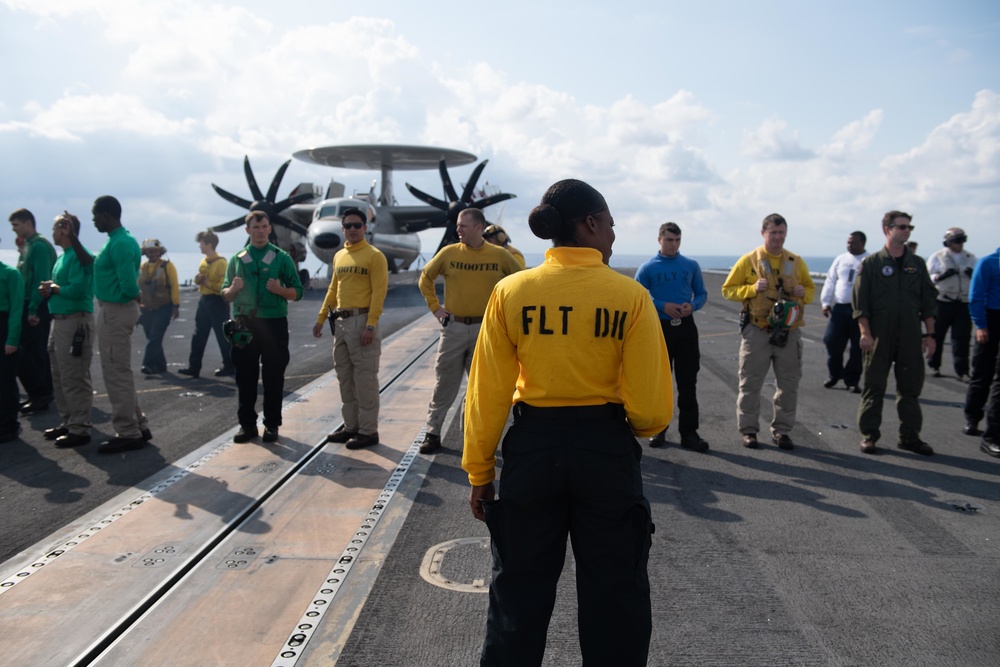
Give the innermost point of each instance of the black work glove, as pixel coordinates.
(947, 274)
(968, 271)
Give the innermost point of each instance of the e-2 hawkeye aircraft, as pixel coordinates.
(307, 213)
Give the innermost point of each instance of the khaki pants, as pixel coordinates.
(357, 372)
(115, 324)
(756, 356)
(455, 348)
(71, 375)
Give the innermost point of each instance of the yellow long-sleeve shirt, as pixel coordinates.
(469, 277)
(569, 332)
(215, 270)
(360, 280)
(742, 278)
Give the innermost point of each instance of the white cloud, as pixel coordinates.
(74, 116)
(770, 141)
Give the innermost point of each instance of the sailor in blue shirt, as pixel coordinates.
(984, 386)
(677, 288)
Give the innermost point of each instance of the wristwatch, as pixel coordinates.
(370, 327)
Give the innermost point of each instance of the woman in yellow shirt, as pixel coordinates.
(579, 348)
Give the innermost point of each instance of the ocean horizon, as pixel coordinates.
(187, 262)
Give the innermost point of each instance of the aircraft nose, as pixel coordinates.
(326, 240)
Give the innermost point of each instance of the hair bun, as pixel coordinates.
(545, 221)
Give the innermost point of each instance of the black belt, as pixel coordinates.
(613, 411)
(69, 316)
(467, 320)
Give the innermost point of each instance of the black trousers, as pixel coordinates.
(569, 471)
(841, 329)
(267, 355)
(952, 315)
(984, 386)
(212, 313)
(33, 368)
(9, 394)
(685, 361)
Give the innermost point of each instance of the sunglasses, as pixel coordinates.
(904, 227)
(353, 225)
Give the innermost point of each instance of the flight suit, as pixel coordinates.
(896, 295)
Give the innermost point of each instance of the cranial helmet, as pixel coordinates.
(237, 333)
(153, 244)
(955, 235)
(498, 232)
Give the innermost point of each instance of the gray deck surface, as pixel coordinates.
(819, 556)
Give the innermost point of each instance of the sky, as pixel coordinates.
(711, 114)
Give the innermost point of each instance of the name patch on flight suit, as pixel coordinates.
(607, 323)
(909, 269)
(466, 266)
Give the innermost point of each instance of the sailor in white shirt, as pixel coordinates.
(951, 270)
(842, 327)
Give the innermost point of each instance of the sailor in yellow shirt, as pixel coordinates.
(579, 348)
(470, 268)
(213, 310)
(354, 302)
(774, 286)
(496, 235)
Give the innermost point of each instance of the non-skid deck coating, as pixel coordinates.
(819, 556)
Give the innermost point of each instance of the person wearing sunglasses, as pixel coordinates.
(951, 270)
(893, 294)
(354, 303)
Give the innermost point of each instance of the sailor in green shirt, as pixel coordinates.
(116, 286)
(260, 281)
(71, 342)
(35, 265)
(11, 297)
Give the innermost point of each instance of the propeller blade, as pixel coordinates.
(450, 236)
(427, 199)
(291, 201)
(449, 189)
(290, 224)
(493, 199)
(235, 223)
(251, 181)
(471, 185)
(231, 198)
(272, 191)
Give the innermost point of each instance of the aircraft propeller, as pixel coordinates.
(262, 202)
(456, 204)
